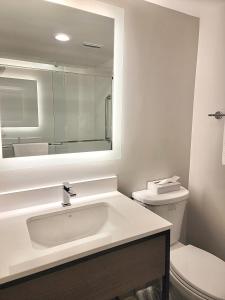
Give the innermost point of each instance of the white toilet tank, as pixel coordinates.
(170, 206)
(174, 213)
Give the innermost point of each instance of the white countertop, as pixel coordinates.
(18, 258)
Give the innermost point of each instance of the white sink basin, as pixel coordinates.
(69, 225)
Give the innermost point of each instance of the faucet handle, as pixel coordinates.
(67, 186)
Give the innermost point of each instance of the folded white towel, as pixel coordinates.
(32, 149)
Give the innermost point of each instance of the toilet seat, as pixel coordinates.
(199, 271)
(175, 279)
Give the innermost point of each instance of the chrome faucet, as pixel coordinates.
(67, 194)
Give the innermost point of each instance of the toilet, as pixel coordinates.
(194, 273)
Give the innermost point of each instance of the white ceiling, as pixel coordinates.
(190, 7)
(27, 29)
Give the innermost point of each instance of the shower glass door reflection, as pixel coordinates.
(82, 112)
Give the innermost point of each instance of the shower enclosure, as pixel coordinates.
(73, 111)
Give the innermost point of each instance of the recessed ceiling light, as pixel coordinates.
(62, 37)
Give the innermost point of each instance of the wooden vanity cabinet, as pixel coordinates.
(102, 276)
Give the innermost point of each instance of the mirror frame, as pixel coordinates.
(116, 13)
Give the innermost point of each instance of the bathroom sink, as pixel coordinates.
(73, 224)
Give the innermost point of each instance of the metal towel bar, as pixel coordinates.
(218, 115)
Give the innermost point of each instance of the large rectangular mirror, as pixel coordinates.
(56, 79)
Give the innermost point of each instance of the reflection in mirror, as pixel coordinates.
(56, 75)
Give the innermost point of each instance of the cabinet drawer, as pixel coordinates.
(102, 276)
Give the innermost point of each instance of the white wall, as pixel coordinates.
(190, 7)
(207, 175)
(160, 63)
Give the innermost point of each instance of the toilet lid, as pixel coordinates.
(201, 270)
(147, 197)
